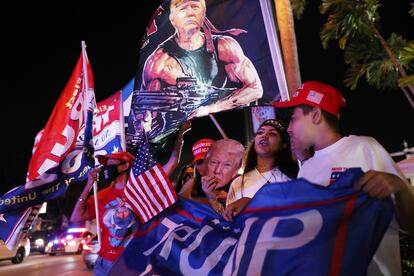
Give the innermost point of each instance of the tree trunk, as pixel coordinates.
(397, 65)
(288, 44)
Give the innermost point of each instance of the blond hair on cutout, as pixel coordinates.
(229, 146)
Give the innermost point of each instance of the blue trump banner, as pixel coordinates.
(289, 228)
(201, 57)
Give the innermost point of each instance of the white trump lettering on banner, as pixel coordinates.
(239, 250)
(168, 238)
(185, 266)
(210, 261)
(312, 224)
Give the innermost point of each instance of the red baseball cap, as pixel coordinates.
(122, 155)
(200, 148)
(315, 93)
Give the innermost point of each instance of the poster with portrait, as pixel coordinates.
(199, 57)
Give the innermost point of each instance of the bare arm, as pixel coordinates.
(175, 156)
(160, 70)
(381, 184)
(80, 212)
(239, 69)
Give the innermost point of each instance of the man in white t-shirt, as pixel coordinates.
(315, 111)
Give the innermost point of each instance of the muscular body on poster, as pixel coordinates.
(211, 63)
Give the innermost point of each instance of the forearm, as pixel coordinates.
(405, 209)
(174, 157)
(241, 97)
(80, 212)
(216, 205)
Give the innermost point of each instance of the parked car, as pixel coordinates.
(70, 241)
(90, 252)
(17, 255)
(39, 240)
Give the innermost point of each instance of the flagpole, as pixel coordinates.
(274, 48)
(218, 126)
(86, 91)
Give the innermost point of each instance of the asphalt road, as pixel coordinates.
(40, 265)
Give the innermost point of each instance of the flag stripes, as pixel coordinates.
(150, 192)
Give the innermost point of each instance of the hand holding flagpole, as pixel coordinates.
(86, 100)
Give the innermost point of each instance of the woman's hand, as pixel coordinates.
(235, 208)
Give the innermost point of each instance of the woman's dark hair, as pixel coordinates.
(283, 158)
(197, 190)
(180, 178)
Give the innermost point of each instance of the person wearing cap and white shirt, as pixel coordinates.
(315, 111)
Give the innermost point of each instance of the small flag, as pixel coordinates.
(148, 189)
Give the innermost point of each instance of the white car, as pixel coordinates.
(71, 241)
(17, 255)
(90, 252)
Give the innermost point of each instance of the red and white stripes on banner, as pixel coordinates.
(150, 193)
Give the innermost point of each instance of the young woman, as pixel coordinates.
(268, 160)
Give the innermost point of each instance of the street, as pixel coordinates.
(39, 265)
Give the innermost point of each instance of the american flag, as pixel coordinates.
(336, 173)
(148, 189)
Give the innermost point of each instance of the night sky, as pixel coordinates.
(41, 45)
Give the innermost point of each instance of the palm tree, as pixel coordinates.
(284, 14)
(354, 23)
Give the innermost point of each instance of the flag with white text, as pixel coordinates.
(62, 155)
(108, 127)
(289, 228)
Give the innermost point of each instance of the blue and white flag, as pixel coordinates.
(289, 228)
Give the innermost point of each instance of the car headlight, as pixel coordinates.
(40, 242)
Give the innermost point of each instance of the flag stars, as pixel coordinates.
(215, 221)
(236, 230)
(2, 218)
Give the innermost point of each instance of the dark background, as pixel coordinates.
(42, 42)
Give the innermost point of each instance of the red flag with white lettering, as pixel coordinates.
(63, 126)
